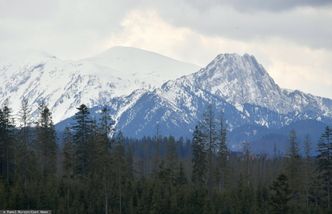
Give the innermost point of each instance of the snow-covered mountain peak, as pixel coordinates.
(65, 84)
(239, 80)
(149, 68)
(235, 64)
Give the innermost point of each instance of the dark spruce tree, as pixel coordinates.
(44, 151)
(7, 146)
(119, 171)
(67, 171)
(280, 195)
(324, 167)
(82, 136)
(293, 168)
(198, 158)
(68, 153)
(27, 166)
(106, 123)
(102, 162)
(308, 169)
(46, 142)
(208, 126)
(222, 157)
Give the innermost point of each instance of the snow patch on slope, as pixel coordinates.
(65, 84)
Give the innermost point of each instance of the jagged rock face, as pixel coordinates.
(130, 81)
(240, 80)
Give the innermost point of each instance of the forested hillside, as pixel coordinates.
(95, 169)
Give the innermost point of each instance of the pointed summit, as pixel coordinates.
(239, 79)
(236, 63)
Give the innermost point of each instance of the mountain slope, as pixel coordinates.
(130, 81)
(237, 85)
(65, 84)
(146, 67)
(241, 79)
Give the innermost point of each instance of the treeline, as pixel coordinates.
(97, 170)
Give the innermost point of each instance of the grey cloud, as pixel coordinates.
(63, 24)
(257, 5)
(32, 9)
(308, 27)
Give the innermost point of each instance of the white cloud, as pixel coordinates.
(291, 65)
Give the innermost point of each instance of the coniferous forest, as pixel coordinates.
(94, 168)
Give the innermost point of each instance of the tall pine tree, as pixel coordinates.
(46, 142)
(293, 166)
(198, 158)
(7, 152)
(208, 125)
(222, 156)
(325, 166)
(280, 195)
(82, 135)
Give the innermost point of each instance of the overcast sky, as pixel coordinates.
(291, 38)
